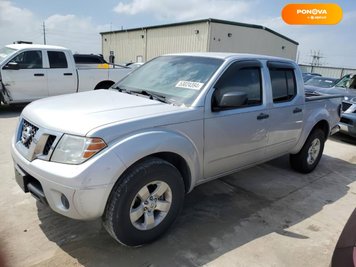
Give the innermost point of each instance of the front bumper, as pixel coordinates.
(86, 186)
(348, 124)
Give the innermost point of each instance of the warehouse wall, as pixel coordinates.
(177, 39)
(153, 42)
(249, 40)
(127, 46)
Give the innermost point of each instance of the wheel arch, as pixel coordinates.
(170, 146)
(178, 162)
(322, 124)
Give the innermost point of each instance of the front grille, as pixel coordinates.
(34, 142)
(49, 143)
(345, 106)
(28, 132)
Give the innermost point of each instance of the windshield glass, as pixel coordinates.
(344, 81)
(177, 78)
(5, 52)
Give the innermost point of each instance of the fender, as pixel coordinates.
(140, 145)
(5, 96)
(312, 120)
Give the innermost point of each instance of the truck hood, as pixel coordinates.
(82, 112)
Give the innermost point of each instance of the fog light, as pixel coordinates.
(65, 201)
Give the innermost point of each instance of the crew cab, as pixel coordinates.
(29, 72)
(130, 154)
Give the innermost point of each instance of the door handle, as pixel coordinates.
(297, 110)
(262, 116)
(68, 74)
(38, 74)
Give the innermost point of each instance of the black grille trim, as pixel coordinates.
(48, 145)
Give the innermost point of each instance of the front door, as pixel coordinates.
(236, 137)
(29, 81)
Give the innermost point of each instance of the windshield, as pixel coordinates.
(344, 82)
(5, 52)
(177, 78)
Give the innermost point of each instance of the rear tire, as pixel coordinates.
(309, 156)
(145, 202)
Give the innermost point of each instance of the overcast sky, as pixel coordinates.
(76, 23)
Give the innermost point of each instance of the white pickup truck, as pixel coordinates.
(29, 72)
(131, 153)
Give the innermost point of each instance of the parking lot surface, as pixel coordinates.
(268, 215)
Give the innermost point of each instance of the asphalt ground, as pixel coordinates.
(267, 215)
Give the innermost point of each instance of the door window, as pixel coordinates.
(57, 60)
(244, 78)
(29, 60)
(283, 84)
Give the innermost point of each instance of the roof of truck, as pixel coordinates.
(226, 56)
(35, 46)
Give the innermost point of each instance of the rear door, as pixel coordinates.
(29, 81)
(286, 113)
(62, 76)
(236, 137)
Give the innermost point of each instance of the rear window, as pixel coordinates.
(283, 84)
(89, 59)
(57, 60)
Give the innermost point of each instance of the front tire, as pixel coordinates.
(145, 202)
(309, 156)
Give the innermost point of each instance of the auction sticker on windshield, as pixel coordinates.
(190, 85)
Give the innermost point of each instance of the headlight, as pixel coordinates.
(75, 149)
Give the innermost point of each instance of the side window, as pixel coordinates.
(57, 60)
(29, 60)
(244, 79)
(283, 84)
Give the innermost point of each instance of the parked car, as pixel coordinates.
(308, 75)
(323, 82)
(346, 86)
(29, 72)
(130, 154)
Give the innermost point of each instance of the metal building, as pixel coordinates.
(208, 35)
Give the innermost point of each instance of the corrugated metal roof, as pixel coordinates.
(207, 20)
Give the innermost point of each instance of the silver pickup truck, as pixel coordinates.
(130, 154)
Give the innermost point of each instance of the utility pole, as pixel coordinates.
(44, 33)
(316, 56)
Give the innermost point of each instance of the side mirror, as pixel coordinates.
(229, 100)
(12, 66)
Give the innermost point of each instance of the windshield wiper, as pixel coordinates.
(122, 90)
(152, 96)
